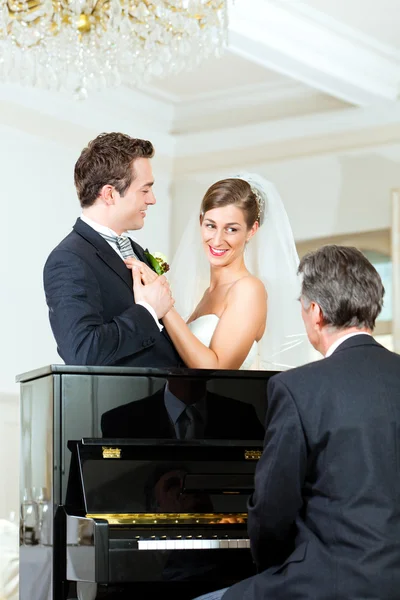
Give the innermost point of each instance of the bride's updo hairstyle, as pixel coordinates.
(237, 192)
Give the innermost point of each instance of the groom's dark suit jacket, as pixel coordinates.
(91, 306)
(324, 520)
(227, 419)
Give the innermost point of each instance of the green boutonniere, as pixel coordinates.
(158, 261)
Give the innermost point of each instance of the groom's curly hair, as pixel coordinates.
(107, 160)
(232, 191)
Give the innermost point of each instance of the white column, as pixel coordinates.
(396, 268)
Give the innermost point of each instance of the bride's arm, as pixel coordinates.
(237, 329)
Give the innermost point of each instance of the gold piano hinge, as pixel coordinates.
(252, 454)
(155, 519)
(111, 452)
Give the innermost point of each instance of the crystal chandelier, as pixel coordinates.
(84, 45)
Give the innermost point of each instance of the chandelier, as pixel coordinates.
(85, 45)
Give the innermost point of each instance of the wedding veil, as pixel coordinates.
(272, 257)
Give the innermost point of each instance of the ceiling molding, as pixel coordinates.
(242, 96)
(269, 91)
(283, 151)
(315, 51)
(340, 28)
(158, 94)
(279, 141)
(285, 130)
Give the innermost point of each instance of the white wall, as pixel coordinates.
(9, 449)
(39, 207)
(323, 195)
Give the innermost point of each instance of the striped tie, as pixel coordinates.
(190, 424)
(123, 244)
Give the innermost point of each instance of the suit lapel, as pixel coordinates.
(162, 424)
(140, 253)
(104, 251)
(111, 258)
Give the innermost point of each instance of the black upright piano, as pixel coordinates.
(143, 479)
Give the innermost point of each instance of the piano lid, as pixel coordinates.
(155, 482)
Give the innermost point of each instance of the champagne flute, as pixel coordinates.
(28, 517)
(42, 507)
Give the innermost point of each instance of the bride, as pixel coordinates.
(236, 285)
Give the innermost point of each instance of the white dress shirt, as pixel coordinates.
(339, 341)
(101, 229)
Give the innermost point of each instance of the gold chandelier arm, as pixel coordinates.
(16, 8)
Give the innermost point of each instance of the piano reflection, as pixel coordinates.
(164, 415)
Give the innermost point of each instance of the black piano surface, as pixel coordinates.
(137, 511)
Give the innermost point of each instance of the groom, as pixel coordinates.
(94, 316)
(324, 518)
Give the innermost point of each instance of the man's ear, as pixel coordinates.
(317, 315)
(107, 194)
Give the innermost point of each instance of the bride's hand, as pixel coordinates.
(147, 275)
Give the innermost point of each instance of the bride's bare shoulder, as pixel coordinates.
(248, 285)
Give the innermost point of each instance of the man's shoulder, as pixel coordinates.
(308, 372)
(69, 241)
(138, 407)
(73, 244)
(372, 357)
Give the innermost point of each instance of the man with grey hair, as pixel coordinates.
(324, 518)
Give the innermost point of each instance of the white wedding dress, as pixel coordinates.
(203, 328)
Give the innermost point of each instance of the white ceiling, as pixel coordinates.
(379, 19)
(216, 75)
(288, 58)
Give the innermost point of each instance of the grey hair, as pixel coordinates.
(344, 284)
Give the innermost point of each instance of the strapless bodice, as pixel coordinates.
(203, 328)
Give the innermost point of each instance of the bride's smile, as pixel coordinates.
(217, 252)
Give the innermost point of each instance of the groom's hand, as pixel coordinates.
(147, 274)
(157, 294)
